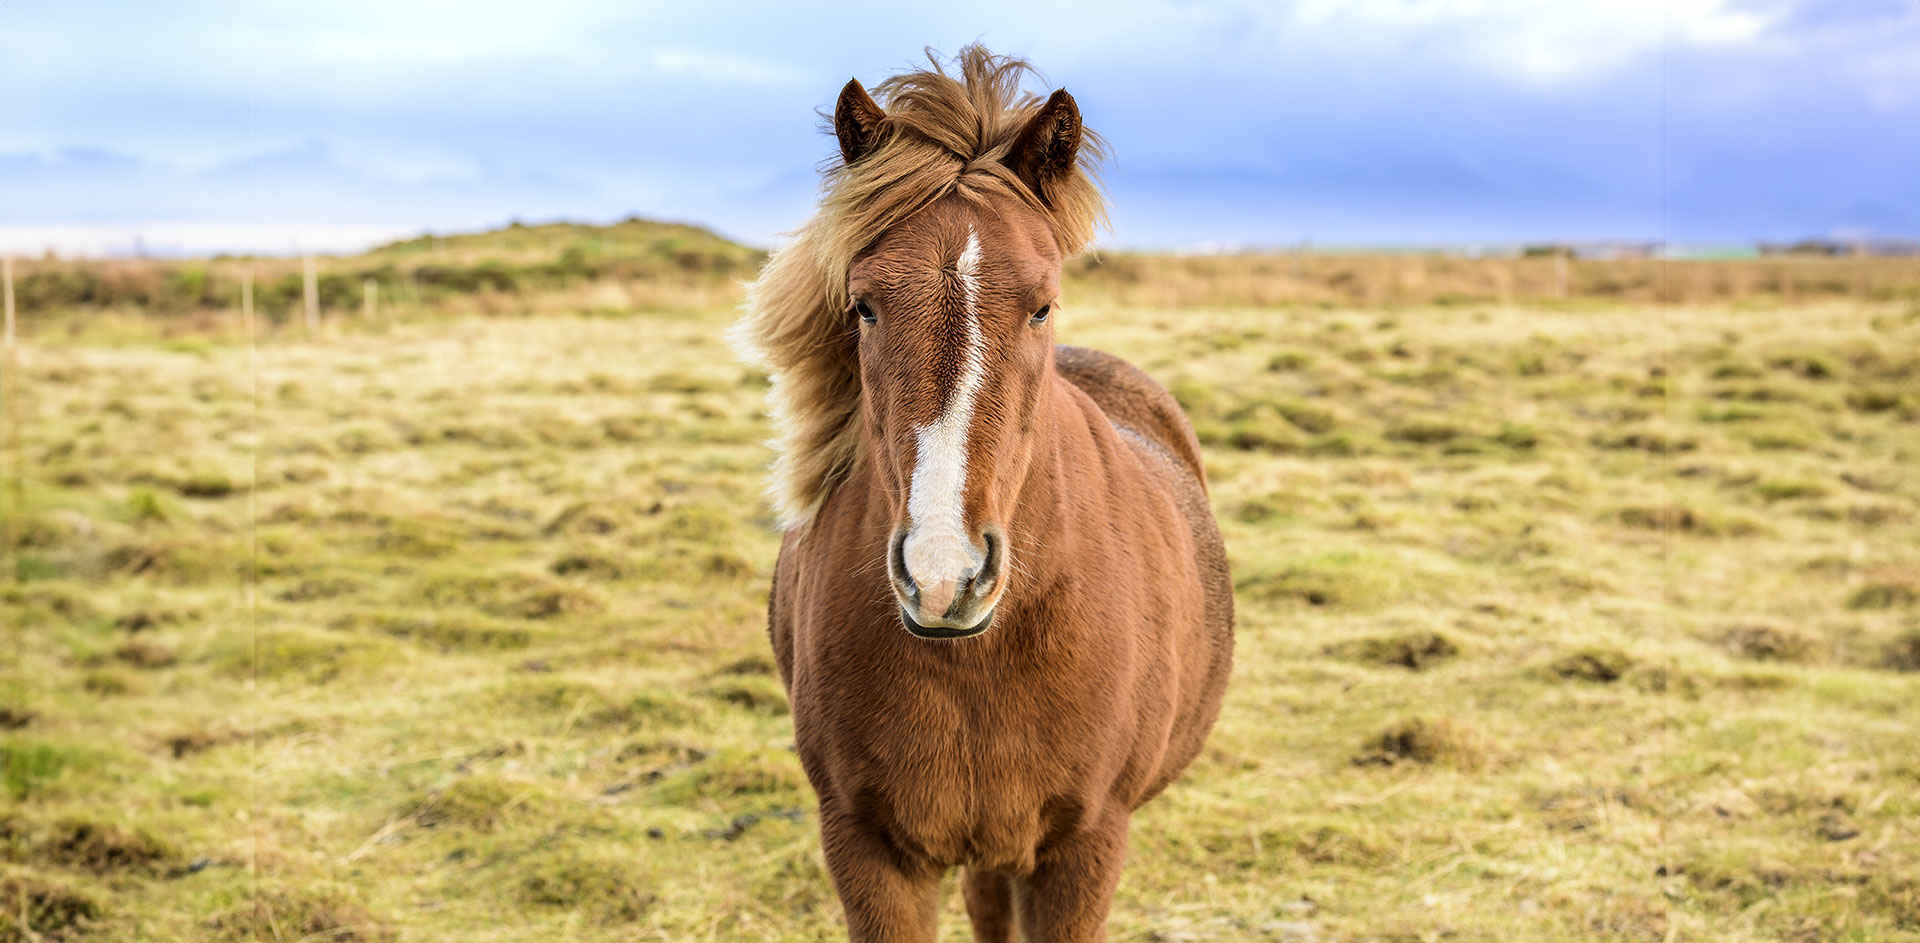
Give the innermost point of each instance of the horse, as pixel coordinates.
(1001, 609)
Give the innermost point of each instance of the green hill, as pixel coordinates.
(650, 263)
(630, 240)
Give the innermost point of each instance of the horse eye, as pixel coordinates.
(866, 314)
(1040, 316)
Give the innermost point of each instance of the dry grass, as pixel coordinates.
(1558, 622)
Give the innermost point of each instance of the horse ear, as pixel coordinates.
(1045, 149)
(856, 122)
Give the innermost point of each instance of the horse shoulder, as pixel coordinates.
(1133, 400)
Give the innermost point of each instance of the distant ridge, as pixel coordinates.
(651, 264)
(632, 238)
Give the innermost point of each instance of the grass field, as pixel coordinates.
(1558, 621)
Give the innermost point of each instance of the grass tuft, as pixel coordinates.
(38, 909)
(1597, 665)
(1769, 643)
(104, 848)
(1886, 594)
(1438, 742)
(1413, 650)
(1903, 652)
(606, 886)
(303, 913)
(482, 803)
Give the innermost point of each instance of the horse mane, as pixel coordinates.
(943, 134)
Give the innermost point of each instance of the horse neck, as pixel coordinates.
(1040, 524)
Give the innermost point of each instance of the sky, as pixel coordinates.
(197, 126)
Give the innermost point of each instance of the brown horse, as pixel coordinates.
(1002, 609)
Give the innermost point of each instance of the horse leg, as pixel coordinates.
(1072, 887)
(886, 899)
(989, 896)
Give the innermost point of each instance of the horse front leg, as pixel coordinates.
(989, 896)
(887, 898)
(1072, 887)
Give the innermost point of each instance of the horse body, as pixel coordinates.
(1002, 609)
(1096, 687)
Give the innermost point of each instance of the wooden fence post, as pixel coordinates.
(312, 294)
(246, 300)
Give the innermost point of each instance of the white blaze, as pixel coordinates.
(938, 552)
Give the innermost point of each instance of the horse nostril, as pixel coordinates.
(984, 578)
(897, 562)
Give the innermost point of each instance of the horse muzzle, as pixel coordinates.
(954, 598)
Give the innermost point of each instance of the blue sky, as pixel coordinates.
(197, 125)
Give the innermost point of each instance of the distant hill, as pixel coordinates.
(691, 248)
(671, 264)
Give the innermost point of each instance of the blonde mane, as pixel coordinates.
(944, 134)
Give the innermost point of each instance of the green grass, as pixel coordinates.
(1557, 622)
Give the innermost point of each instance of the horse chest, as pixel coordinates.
(953, 774)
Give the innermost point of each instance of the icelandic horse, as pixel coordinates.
(1002, 610)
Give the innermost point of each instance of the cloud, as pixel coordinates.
(1231, 120)
(1531, 42)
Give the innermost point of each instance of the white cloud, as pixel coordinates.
(1543, 43)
